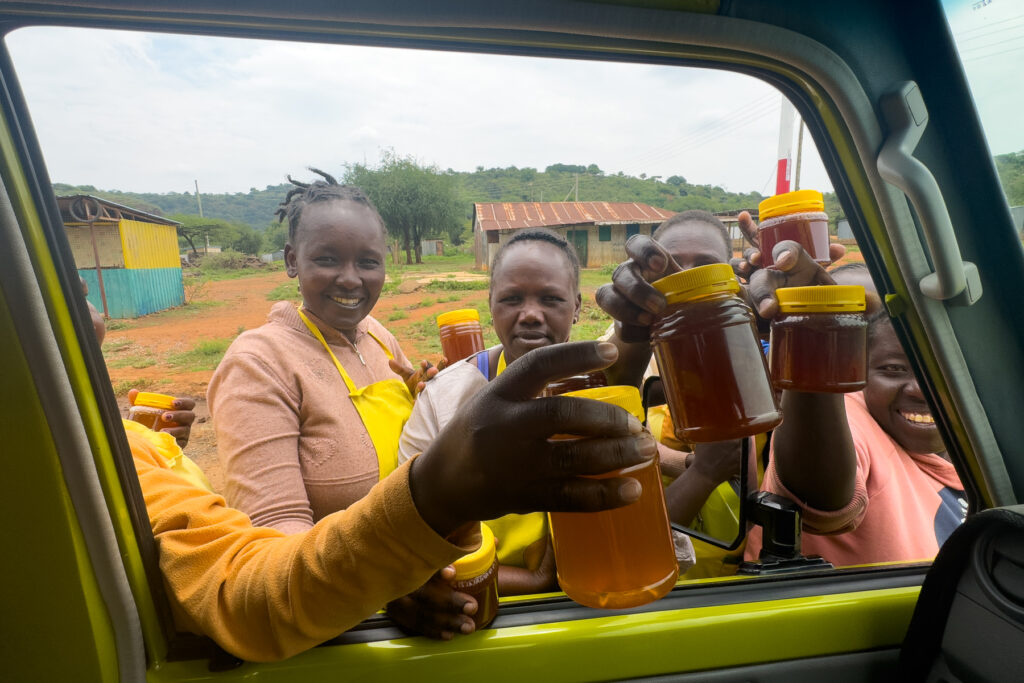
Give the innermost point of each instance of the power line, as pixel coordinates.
(975, 58)
(694, 142)
(988, 45)
(1015, 17)
(699, 141)
(719, 122)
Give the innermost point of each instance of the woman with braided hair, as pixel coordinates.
(308, 408)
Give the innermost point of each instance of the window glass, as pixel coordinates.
(990, 38)
(197, 138)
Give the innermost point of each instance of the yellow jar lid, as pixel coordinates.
(480, 560)
(800, 201)
(822, 299)
(462, 315)
(622, 395)
(161, 401)
(698, 282)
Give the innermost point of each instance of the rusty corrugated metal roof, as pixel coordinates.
(508, 215)
(108, 211)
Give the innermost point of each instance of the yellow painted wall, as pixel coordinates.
(147, 245)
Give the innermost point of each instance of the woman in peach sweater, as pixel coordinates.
(308, 408)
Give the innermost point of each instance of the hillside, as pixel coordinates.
(557, 182)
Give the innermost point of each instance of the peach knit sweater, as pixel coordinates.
(291, 443)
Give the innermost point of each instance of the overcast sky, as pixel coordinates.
(147, 112)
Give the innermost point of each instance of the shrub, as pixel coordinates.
(226, 260)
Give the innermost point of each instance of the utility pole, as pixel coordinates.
(575, 188)
(782, 165)
(199, 200)
(799, 152)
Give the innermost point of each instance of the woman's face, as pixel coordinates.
(894, 398)
(693, 244)
(339, 260)
(534, 300)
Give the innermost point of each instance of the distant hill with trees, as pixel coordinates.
(556, 183)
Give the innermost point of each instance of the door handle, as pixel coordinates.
(906, 116)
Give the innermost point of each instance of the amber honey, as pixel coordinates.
(716, 379)
(819, 339)
(461, 334)
(590, 380)
(617, 558)
(799, 216)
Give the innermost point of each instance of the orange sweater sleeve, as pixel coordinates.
(262, 595)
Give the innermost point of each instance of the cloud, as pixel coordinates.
(147, 112)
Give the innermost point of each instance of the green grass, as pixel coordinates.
(115, 345)
(205, 355)
(114, 324)
(137, 361)
(123, 387)
(592, 278)
(453, 285)
(216, 274)
(397, 315)
(287, 291)
(186, 311)
(433, 264)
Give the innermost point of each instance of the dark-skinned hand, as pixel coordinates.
(496, 456)
(176, 422)
(435, 609)
(416, 379)
(629, 298)
(794, 267)
(745, 266)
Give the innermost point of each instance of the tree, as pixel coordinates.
(275, 236)
(415, 201)
(216, 230)
(247, 241)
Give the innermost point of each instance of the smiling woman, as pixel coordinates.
(308, 407)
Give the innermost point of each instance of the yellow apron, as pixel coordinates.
(522, 539)
(383, 406)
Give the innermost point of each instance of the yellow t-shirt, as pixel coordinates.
(718, 517)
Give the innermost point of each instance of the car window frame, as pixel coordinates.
(869, 204)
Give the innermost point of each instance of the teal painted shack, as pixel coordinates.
(128, 258)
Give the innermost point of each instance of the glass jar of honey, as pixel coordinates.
(624, 557)
(710, 359)
(799, 216)
(819, 339)
(149, 407)
(590, 380)
(476, 574)
(460, 333)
